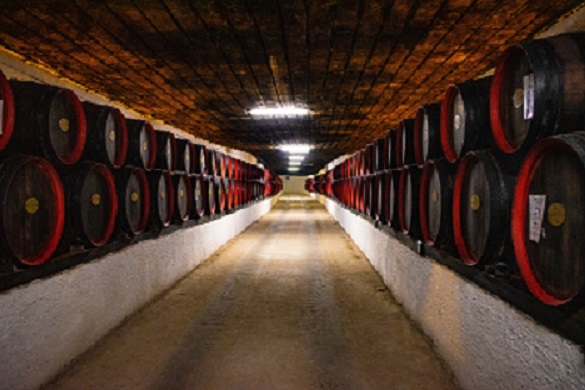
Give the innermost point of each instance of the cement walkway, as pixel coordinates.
(289, 304)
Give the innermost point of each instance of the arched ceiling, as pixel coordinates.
(359, 66)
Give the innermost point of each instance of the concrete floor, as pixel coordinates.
(289, 304)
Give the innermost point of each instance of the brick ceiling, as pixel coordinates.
(360, 66)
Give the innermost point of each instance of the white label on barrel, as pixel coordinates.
(536, 208)
(528, 96)
(1, 117)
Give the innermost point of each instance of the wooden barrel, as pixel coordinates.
(381, 205)
(32, 212)
(162, 199)
(210, 162)
(427, 133)
(361, 189)
(367, 159)
(185, 156)
(237, 194)
(7, 122)
(548, 219)
(141, 144)
(107, 135)
(465, 118)
(390, 145)
(91, 204)
(166, 151)
(436, 203)
(236, 162)
(367, 195)
(481, 208)
(408, 201)
(198, 186)
(183, 197)
(538, 91)
(392, 179)
(405, 141)
(133, 201)
(209, 193)
(200, 159)
(380, 151)
(49, 122)
(229, 193)
(229, 173)
(219, 164)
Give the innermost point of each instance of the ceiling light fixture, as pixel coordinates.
(283, 111)
(296, 148)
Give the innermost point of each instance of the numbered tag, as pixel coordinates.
(528, 81)
(536, 209)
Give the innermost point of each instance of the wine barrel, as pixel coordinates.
(209, 193)
(361, 189)
(236, 162)
(381, 158)
(220, 164)
(405, 141)
(200, 159)
(185, 156)
(367, 157)
(229, 194)
(390, 145)
(198, 187)
(465, 118)
(32, 212)
(91, 205)
(48, 122)
(367, 195)
(133, 201)
(237, 193)
(381, 204)
(141, 144)
(538, 91)
(408, 201)
(183, 197)
(7, 105)
(481, 208)
(210, 162)
(392, 180)
(427, 133)
(229, 172)
(162, 199)
(436, 203)
(548, 219)
(107, 135)
(166, 151)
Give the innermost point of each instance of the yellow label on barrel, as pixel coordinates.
(144, 146)
(112, 136)
(134, 197)
(435, 196)
(162, 195)
(475, 202)
(518, 97)
(210, 192)
(96, 199)
(556, 214)
(31, 205)
(198, 193)
(64, 124)
(182, 193)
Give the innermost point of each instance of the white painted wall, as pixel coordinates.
(488, 344)
(45, 324)
(295, 185)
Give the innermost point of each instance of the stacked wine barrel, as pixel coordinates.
(494, 173)
(75, 175)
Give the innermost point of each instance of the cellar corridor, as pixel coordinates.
(290, 303)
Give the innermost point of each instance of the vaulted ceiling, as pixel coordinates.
(360, 66)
